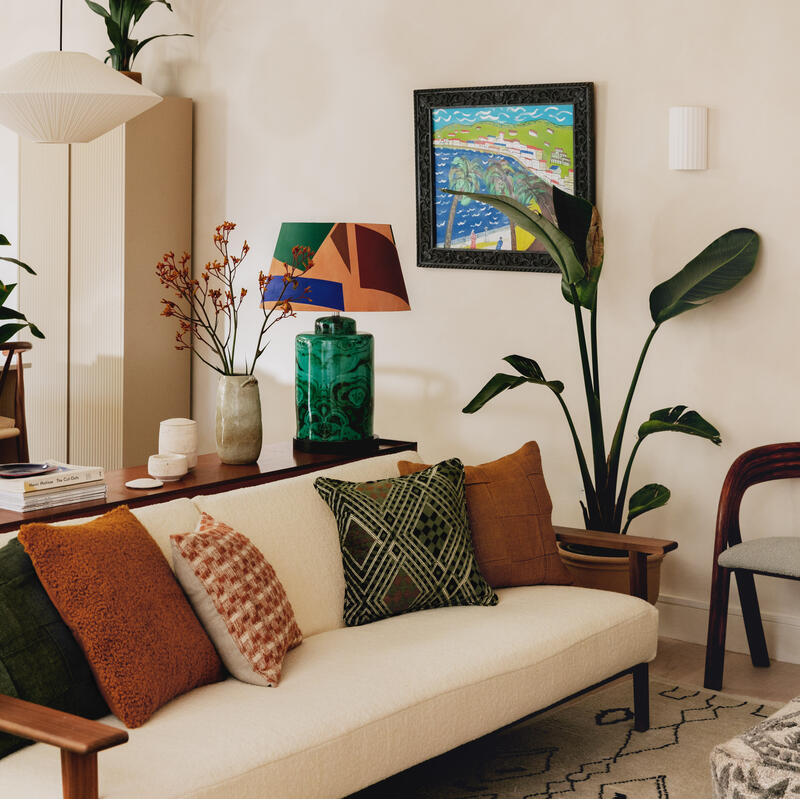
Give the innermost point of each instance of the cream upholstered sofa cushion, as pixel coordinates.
(161, 520)
(295, 530)
(356, 705)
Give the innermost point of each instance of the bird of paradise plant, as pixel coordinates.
(574, 239)
(120, 17)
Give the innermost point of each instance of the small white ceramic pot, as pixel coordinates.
(167, 466)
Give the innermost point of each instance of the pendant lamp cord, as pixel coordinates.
(61, 27)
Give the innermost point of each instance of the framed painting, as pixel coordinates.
(518, 141)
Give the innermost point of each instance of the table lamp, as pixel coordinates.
(355, 268)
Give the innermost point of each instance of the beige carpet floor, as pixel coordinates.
(588, 748)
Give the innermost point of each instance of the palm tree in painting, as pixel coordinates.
(499, 179)
(529, 189)
(464, 176)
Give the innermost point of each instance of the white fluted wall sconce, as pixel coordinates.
(688, 137)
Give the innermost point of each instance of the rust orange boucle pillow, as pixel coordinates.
(117, 594)
(510, 511)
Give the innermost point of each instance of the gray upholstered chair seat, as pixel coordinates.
(779, 555)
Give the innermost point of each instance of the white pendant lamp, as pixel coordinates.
(62, 97)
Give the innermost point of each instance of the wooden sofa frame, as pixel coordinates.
(80, 739)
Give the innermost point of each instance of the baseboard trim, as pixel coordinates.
(687, 619)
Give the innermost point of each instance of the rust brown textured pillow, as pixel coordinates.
(509, 511)
(117, 594)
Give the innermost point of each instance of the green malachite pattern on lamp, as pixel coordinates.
(355, 268)
(334, 382)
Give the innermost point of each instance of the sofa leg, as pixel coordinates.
(641, 697)
(79, 774)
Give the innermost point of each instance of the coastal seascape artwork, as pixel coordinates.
(517, 151)
(515, 141)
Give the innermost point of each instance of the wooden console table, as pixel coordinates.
(210, 476)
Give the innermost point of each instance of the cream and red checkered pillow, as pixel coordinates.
(238, 598)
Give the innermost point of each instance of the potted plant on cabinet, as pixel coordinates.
(120, 18)
(575, 241)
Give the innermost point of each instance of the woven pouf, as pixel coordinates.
(762, 762)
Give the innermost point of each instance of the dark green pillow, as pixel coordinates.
(406, 543)
(40, 661)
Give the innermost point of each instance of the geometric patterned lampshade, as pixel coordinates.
(356, 267)
(62, 97)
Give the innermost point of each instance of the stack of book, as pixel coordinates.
(65, 484)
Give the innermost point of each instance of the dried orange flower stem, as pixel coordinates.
(207, 309)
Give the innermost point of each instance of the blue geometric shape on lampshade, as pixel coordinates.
(321, 293)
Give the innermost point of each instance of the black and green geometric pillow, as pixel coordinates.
(406, 543)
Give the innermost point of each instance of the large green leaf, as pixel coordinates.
(556, 242)
(115, 7)
(718, 268)
(680, 420)
(115, 34)
(10, 313)
(654, 495)
(35, 331)
(9, 329)
(3, 240)
(98, 9)
(18, 263)
(141, 44)
(580, 220)
(5, 291)
(143, 5)
(530, 372)
(499, 383)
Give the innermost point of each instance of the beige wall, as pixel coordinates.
(304, 111)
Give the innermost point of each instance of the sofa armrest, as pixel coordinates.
(638, 548)
(614, 541)
(79, 740)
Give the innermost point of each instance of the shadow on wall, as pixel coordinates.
(277, 409)
(406, 395)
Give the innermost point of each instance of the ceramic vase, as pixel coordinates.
(238, 419)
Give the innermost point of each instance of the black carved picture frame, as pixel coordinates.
(426, 101)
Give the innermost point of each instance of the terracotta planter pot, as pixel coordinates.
(605, 572)
(134, 76)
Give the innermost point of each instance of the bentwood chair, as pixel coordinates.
(14, 427)
(777, 556)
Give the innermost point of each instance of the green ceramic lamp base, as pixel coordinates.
(334, 382)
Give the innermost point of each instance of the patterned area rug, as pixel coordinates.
(588, 748)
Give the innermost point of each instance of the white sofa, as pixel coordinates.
(354, 705)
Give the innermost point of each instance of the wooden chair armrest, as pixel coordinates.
(66, 731)
(638, 548)
(614, 541)
(79, 740)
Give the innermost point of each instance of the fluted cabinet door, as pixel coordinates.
(44, 244)
(97, 258)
